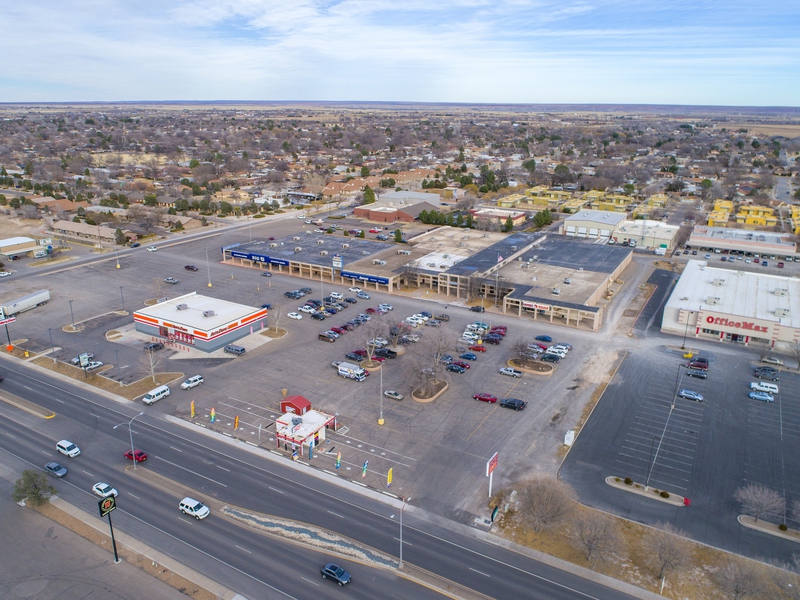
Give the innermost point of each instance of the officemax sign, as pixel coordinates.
(745, 325)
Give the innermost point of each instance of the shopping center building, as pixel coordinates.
(734, 306)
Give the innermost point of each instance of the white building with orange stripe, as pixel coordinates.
(199, 321)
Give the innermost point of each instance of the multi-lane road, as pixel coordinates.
(252, 564)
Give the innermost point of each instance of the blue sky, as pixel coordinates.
(726, 52)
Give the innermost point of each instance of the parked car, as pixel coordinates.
(350, 300)
(234, 349)
(67, 448)
(336, 573)
(767, 373)
(317, 316)
(553, 358)
(294, 315)
(136, 455)
(190, 268)
(492, 340)
(485, 398)
(478, 348)
(95, 364)
(443, 317)
(193, 381)
(690, 395)
(510, 372)
(461, 364)
(266, 274)
(171, 280)
(513, 403)
(153, 347)
(762, 396)
(363, 295)
(393, 395)
(353, 356)
(772, 361)
(455, 368)
(354, 289)
(543, 338)
(468, 356)
(699, 373)
(267, 305)
(152, 249)
(477, 309)
(55, 469)
(104, 490)
(386, 353)
(698, 363)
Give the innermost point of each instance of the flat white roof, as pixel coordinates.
(224, 312)
(743, 237)
(598, 216)
(14, 241)
(739, 293)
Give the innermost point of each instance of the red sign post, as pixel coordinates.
(491, 465)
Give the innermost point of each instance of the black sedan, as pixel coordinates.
(513, 403)
(455, 368)
(336, 573)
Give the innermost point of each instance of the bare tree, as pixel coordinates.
(543, 504)
(398, 331)
(276, 316)
(742, 578)
(762, 348)
(474, 286)
(786, 577)
(369, 333)
(150, 363)
(314, 183)
(434, 348)
(29, 211)
(135, 213)
(596, 535)
(667, 549)
(795, 349)
(758, 501)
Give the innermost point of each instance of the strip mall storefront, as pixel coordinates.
(732, 328)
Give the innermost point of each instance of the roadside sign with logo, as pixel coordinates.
(336, 261)
(83, 360)
(106, 505)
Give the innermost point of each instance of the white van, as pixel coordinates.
(156, 394)
(336, 295)
(763, 386)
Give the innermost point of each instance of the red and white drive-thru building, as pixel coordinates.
(199, 321)
(734, 306)
(302, 433)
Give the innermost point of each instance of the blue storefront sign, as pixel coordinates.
(259, 258)
(365, 277)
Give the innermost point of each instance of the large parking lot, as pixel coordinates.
(437, 450)
(700, 450)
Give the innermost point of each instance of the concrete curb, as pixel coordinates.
(144, 550)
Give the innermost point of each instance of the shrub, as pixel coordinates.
(617, 479)
(261, 216)
(628, 481)
(665, 494)
(783, 527)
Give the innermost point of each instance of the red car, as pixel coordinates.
(461, 364)
(379, 359)
(478, 348)
(370, 311)
(190, 268)
(360, 352)
(374, 230)
(486, 398)
(498, 331)
(338, 330)
(136, 455)
(500, 328)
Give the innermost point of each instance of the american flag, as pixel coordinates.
(499, 258)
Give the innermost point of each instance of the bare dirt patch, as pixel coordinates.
(144, 563)
(271, 333)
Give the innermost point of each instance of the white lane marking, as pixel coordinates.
(276, 489)
(309, 581)
(193, 472)
(240, 548)
(87, 472)
(176, 449)
(335, 514)
(133, 495)
(224, 469)
(479, 572)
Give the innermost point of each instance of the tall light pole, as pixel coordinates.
(72, 315)
(686, 330)
(52, 347)
(402, 508)
(116, 351)
(380, 418)
(208, 268)
(130, 430)
(122, 296)
(666, 424)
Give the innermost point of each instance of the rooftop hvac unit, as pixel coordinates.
(556, 291)
(296, 238)
(580, 268)
(513, 248)
(781, 312)
(364, 253)
(273, 245)
(781, 292)
(407, 252)
(182, 306)
(296, 421)
(320, 242)
(323, 253)
(718, 282)
(345, 245)
(462, 245)
(713, 300)
(523, 266)
(208, 313)
(519, 258)
(298, 249)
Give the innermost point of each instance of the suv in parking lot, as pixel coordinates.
(233, 349)
(153, 346)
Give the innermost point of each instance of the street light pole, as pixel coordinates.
(380, 418)
(208, 268)
(122, 296)
(130, 430)
(52, 347)
(686, 330)
(402, 508)
(72, 315)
